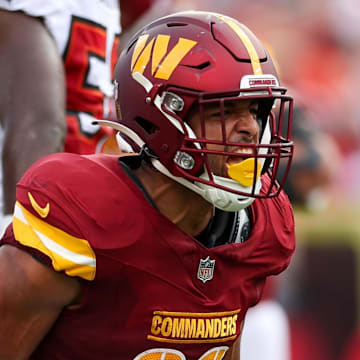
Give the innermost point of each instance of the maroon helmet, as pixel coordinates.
(187, 61)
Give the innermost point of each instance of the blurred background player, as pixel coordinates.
(57, 61)
(56, 68)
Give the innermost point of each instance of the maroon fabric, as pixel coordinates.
(131, 10)
(352, 348)
(147, 268)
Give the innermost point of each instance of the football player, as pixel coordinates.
(57, 62)
(157, 255)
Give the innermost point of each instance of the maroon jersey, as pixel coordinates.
(150, 291)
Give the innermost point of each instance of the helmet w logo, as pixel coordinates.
(163, 63)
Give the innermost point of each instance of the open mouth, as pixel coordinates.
(237, 159)
(244, 170)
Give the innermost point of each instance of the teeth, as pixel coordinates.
(237, 159)
(244, 151)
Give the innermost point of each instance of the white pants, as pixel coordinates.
(266, 333)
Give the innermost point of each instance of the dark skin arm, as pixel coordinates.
(31, 298)
(32, 97)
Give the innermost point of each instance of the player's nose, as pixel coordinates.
(246, 124)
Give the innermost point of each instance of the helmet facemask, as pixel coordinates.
(199, 59)
(193, 165)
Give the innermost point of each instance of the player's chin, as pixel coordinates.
(221, 170)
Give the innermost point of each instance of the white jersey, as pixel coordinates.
(68, 19)
(266, 333)
(58, 14)
(86, 33)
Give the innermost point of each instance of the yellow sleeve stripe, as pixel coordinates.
(67, 253)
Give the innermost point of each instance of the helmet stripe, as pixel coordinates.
(254, 57)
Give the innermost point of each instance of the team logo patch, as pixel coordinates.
(42, 211)
(254, 81)
(206, 269)
(163, 61)
(192, 328)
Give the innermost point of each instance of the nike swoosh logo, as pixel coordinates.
(42, 211)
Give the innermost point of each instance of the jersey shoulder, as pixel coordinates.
(279, 211)
(62, 204)
(57, 173)
(273, 233)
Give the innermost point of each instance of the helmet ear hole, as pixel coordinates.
(148, 126)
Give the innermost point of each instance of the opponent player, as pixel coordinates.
(57, 56)
(157, 255)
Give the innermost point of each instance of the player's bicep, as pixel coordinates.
(32, 70)
(32, 97)
(32, 296)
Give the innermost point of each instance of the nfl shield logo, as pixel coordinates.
(206, 269)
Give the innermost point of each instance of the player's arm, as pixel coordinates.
(32, 296)
(234, 352)
(32, 97)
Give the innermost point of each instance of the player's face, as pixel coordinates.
(241, 126)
